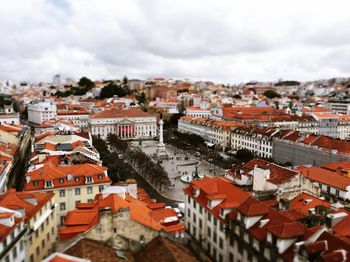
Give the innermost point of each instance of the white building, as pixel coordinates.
(327, 124)
(339, 106)
(198, 111)
(208, 201)
(212, 131)
(41, 111)
(12, 235)
(129, 123)
(8, 115)
(80, 118)
(256, 140)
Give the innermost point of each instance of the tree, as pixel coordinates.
(86, 83)
(244, 155)
(271, 94)
(113, 89)
(237, 96)
(141, 97)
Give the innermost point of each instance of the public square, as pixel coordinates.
(178, 164)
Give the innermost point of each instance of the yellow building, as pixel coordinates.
(71, 184)
(40, 218)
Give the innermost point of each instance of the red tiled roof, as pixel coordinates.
(17, 200)
(325, 177)
(287, 230)
(253, 207)
(304, 202)
(49, 171)
(217, 186)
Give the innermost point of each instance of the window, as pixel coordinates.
(36, 233)
(194, 204)
(62, 220)
(115, 230)
(37, 251)
(231, 257)
(194, 218)
(42, 227)
(48, 183)
(214, 236)
(77, 191)
(77, 202)
(337, 192)
(61, 180)
(62, 206)
(189, 213)
(209, 217)
(200, 209)
(328, 189)
(76, 179)
(43, 243)
(221, 243)
(90, 200)
(62, 193)
(48, 236)
(100, 188)
(35, 183)
(220, 258)
(200, 223)
(89, 190)
(14, 252)
(209, 232)
(88, 179)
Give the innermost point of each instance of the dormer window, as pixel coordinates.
(35, 183)
(77, 179)
(89, 180)
(48, 183)
(61, 180)
(100, 176)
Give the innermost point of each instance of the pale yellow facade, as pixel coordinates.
(67, 197)
(42, 233)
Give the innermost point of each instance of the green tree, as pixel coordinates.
(141, 97)
(86, 83)
(244, 155)
(113, 89)
(271, 94)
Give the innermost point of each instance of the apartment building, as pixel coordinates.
(215, 132)
(79, 115)
(12, 235)
(71, 184)
(8, 115)
(208, 201)
(339, 106)
(256, 140)
(38, 211)
(40, 111)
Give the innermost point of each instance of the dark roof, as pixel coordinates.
(96, 251)
(162, 249)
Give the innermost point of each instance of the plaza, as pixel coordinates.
(179, 164)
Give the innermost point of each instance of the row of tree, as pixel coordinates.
(151, 171)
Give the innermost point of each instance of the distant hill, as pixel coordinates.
(288, 83)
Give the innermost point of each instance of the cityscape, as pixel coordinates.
(119, 146)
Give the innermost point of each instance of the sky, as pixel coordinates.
(224, 41)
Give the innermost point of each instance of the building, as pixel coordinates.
(332, 185)
(40, 111)
(123, 215)
(327, 124)
(256, 140)
(57, 257)
(270, 181)
(12, 235)
(56, 125)
(339, 106)
(38, 211)
(298, 149)
(208, 201)
(198, 111)
(214, 132)
(71, 184)
(8, 115)
(79, 115)
(128, 123)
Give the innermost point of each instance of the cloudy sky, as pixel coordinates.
(221, 40)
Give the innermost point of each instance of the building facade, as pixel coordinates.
(40, 111)
(129, 123)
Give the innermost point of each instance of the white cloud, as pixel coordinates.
(228, 41)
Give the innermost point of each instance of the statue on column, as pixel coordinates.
(161, 151)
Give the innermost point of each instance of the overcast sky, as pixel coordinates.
(227, 41)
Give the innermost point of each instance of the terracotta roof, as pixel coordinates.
(210, 187)
(161, 249)
(92, 250)
(325, 177)
(17, 200)
(287, 230)
(54, 173)
(124, 113)
(253, 207)
(304, 202)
